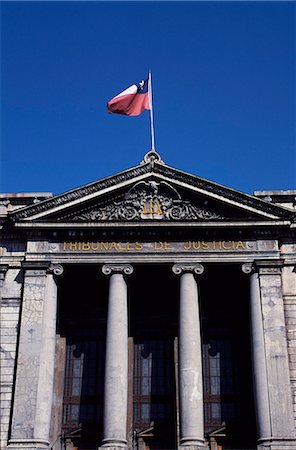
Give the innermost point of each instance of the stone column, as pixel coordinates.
(272, 389)
(116, 365)
(36, 356)
(190, 359)
(10, 299)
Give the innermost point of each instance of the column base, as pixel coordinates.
(112, 447)
(113, 444)
(277, 444)
(193, 447)
(27, 444)
(192, 444)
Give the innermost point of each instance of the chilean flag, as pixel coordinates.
(131, 102)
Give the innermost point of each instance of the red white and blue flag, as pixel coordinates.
(132, 101)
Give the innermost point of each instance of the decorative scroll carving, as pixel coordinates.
(180, 268)
(109, 269)
(57, 269)
(148, 200)
(248, 268)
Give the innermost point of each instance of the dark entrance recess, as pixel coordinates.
(153, 357)
(227, 369)
(83, 297)
(154, 293)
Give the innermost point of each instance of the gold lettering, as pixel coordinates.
(121, 246)
(145, 208)
(72, 245)
(112, 245)
(130, 246)
(95, 246)
(139, 246)
(196, 245)
(152, 207)
(205, 245)
(85, 246)
(214, 245)
(104, 246)
(65, 245)
(157, 208)
(240, 244)
(223, 243)
(79, 245)
(167, 246)
(158, 245)
(188, 246)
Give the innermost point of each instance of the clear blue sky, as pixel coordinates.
(223, 86)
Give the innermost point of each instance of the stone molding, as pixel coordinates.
(181, 268)
(111, 269)
(28, 443)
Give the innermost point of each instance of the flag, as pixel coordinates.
(132, 101)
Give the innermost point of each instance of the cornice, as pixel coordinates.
(81, 192)
(271, 211)
(223, 191)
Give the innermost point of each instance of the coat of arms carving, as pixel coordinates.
(148, 200)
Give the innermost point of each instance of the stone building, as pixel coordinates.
(152, 309)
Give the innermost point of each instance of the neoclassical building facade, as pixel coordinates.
(152, 309)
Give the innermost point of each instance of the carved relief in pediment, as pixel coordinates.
(147, 200)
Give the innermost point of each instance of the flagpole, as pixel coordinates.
(151, 112)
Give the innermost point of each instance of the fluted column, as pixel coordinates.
(272, 390)
(116, 365)
(190, 358)
(36, 359)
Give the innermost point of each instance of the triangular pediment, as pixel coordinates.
(151, 192)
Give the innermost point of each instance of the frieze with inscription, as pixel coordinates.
(148, 200)
(155, 247)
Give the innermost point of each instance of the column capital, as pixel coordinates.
(56, 269)
(248, 268)
(264, 267)
(181, 268)
(124, 269)
(41, 268)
